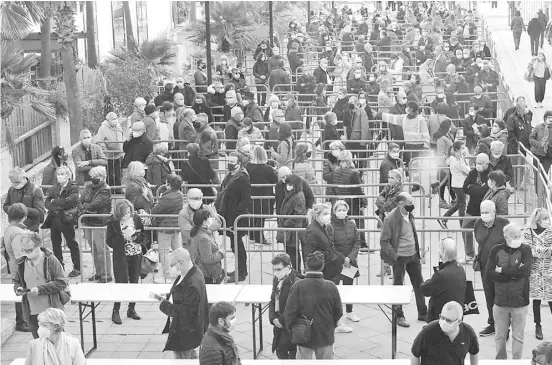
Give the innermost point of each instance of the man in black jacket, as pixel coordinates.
(280, 189)
(341, 106)
(543, 19)
(315, 297)
(167, 95)
(138, 146)
(188, 311)
(534, 29)
(518, 123)
(448, 283)
(26, 192)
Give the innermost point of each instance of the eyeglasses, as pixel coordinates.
(180, 82)
(449, 321)
(279, 269)
(27, 250)
(176, 263)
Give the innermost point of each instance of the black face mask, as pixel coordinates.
(197, 125)
(409, 207)
(95, 181)
(308, 154)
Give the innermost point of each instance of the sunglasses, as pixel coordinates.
(449, 321)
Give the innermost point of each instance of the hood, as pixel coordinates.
(46, 251)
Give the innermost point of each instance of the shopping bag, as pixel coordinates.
(470, 304)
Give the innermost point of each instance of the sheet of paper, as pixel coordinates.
(349, 272)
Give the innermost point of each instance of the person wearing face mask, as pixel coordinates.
(330, 128)
(250, 131)
(260, 71)
(207, 140)
(470, 127)
(355, 85)
(293, 115)
(332, 163)
(400, 249)
(448, 282)
(233, 127)
(233, 200)
(109, 138)
(315, 297)
(509, 267)
(488, 232)
(320, 74)
(137, 189)
(39, 279)
(293, 204)
(150, 121)
(372, 88)
(285, 276)
(96, 199)
(54, 345)
(499, 161)
(231, 101)
(158, 166)
(392, 161)
(167, 95)
(87, 155)
(22, 190)
(200, 106)
(218, 346)
(305, 85)
(58, 158)
(61, 203)
(138, 146)
(204, 251)
(497, 192)
(186, 215)
(446, 340)
(367, 57)
(189, 306)
(138, 113)
(483, 103)
(200, 77)
(540, 139)
(387, 199)
(537, 235)
(518, 124)
(347, 243)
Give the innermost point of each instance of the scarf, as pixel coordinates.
(50, 354)
(394, 189)
(227, 340)
(277, 295)
(140, 111)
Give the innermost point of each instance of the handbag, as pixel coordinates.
(65, 296)
(301, 331)
(546, 73)
(70, 216)
(470, 304)
(149, 261)
(528, 75)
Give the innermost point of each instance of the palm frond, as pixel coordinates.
(14, 61)
(16, 21)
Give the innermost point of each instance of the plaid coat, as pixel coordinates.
(79, 155)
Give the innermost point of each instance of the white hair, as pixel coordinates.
(447, 247)
(497, 145)
(98, 171)
(488, 204)
(54, 317)
(455, 307)
(65, 169)
(511, 229)
(16, 172)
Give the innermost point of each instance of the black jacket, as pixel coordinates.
(234, 198)
(320, 75)
(476, 190)
(519, 129)
(534, 28)
(137, 149)
(318, 299)
(262, 174)
(115, 240)
(32, 197)
(341, 107)
(280, 193)
(505, 165)
(188, 313)
(447, 284)
(487, 238)
(319, 238)
(387, 165)
(282, 338)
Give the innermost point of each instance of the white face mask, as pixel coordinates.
(487, 217)
(282, 274)
(325, 219)
(136, 134)
(228, 325)
(62, 179)
(440, 96)
(195, 204)
(472, 114)
(497, 156)
(335, 153)
(289, 187)
(446, 327)
(43, 332)
(341, 214)
(515, 243)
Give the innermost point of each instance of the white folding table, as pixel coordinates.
(90, 295)
(7, 294)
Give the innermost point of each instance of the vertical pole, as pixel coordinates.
(308, 14)
(270, 24)
(208, 42)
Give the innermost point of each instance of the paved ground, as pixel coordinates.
(372, 335)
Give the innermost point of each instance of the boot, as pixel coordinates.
(538, 332)
(116, 318)
(131, 313)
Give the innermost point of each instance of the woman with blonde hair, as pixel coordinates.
(137, 189)
(538, 235)
(54, 345)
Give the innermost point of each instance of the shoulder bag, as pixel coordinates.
(301, 330)
(202, 179)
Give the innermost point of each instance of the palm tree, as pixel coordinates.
(91, 35)
(18, 18)
(66, 29)
(128, 25)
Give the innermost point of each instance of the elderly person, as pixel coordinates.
(499, 160)
(204, 251)
(158, 166)
(41, 289)
(58, 158)
(169, 205)
(233, 127)
(54, 345)
(260, 172)
(11, 251)
(387, 200)
(87, 155)
(497, 192)
(488, 232)
(61, 202)
(347, 242)
(126, 236)
(197, 170)
(509, 267)
(392, 161)
(185, 118)
(538, 236)
(186, 215)
(207, 140)
(138, 146)
(542, 354)
(448, 283)
(137, 189)
(22, 190)
(110, 138)
(539, 139)
(96, 199)
(293, 204)
(138, 114)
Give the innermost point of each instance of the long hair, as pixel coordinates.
(199, 217)
(319, 89)
(443, 130)
(536, 217)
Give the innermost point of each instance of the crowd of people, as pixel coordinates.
(154, 182)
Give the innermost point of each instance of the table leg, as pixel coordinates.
(82, 317)
(94, 334)
(253, 307)
(393, 331)
(260, 327)
(81, 326)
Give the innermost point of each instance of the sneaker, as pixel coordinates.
(74, 273)
(401, 321)
(487, 331)
(444, 205)
(352, 317)
(341, 328)
(95, 278)
(442, 223)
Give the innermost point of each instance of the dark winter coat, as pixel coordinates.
(134, 194)
(321, 76)
(158, 170)
(137, 149)
(500, 197)
(234, 198)
(535, 28)
(387, 165)
(203, 108)
(115, 240)
(280, 193)
(170, 203)
(341, 107)
(471, 137)
(519, 129)
(447, 284)
(253, 111)
(58, 202)
(97, 158)
(279, 76)
(319, 238)
(32, 197)
(262, 174)
(317, 299)
(346, 238)
(505, 165)
(216, 350)
(49, 172)
(282, 337)
(330, 133)
(95, 199)
(487, 238)
(512, 284)
(188, 313)
(389, 240)
(476, 190)
(198, 170)
(305, 85)
(260, 68)
(293, 204)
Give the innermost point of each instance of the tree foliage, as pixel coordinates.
(19, 17)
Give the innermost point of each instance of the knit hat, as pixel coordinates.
(249, 95)
(340, 202)
(315, 261)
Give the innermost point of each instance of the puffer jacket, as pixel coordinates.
(95, 199)
(55, 282)
(500, 197)
(170, 203)
(206, 255)
(536, 139)
(512, 284)
(346, 238)
(32, 197)
(158, 170)
(216, 350)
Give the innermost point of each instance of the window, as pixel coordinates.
(142, 20)
(117, 13)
